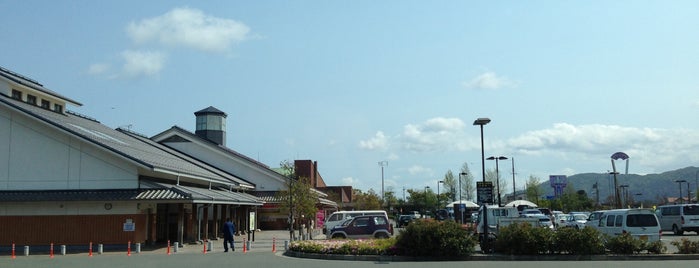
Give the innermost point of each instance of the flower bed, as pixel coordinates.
(346, 247)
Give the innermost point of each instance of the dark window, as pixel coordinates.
(31, 99)
(610, 220)
(691, 210)
(57, 108)
(16, 94)
(641, 220)
(44, 104)
(619, 220)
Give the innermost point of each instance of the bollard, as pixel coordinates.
(26, 250)
(100, 248)
(63, 250)
(210, 246)
(286, 245)
(176, 246)
(249, 245)
(138, 247)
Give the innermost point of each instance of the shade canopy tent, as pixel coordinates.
(466, 203)
(517, 203)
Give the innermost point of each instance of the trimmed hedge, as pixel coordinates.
(428, 237)
(523, 239)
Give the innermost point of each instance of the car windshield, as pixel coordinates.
(691, 210)
(641, 220)
(580, 217)
(346, 222)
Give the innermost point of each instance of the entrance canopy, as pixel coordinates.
(466, 203)
(517, 203)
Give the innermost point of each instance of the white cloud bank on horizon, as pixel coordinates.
(653, 149)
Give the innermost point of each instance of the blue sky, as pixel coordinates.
(351, 83)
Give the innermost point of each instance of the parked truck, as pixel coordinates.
(498, 217)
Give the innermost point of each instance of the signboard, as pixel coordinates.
(484, 192)
(252, 221)
(129, 226)
(558, 183)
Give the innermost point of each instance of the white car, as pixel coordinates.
(576, 221)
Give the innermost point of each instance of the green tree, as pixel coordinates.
(533, 190)
(468, 185)
(450, 187)
(491, 175)
(366, 201)
(299, 199)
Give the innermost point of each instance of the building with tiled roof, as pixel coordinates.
(90, 181)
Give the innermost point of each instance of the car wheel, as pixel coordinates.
(381, 235)
(338, 236)
(676, 230)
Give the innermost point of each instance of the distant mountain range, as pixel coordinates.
(651, 187)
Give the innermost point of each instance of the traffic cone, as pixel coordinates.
(51, 251)
(205, 246)
(245, 249)
(274, 244)
(90, 254)
(128, 249)
(168, 247)
(13, 250)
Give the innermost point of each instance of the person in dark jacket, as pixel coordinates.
(228, 233)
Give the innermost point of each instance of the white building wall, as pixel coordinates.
(34, 156)
(247, 171)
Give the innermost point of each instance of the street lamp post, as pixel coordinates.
(484, 246)
(425, 213)
(680, 183)
(383, 196)
(514, 190)
(439, 205)
(497, 174)
(460, 209)
(624, 194)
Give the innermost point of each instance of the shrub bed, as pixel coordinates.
(435, 238)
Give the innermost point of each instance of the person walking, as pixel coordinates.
(228, 233)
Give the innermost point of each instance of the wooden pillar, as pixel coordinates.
(205, 223)
(153, 225)
(217, 220)
(189, 219)
(180, 223)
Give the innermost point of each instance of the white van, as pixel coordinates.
(340, 216)
(639, 223)
(495, 215)
(679, 218)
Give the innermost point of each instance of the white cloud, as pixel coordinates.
(378, 142)
(142, 63)
(489, 80)
(436, 134)
(419, 170)
(98, 68)
(350, 181)
(650, 148)
(189, 28)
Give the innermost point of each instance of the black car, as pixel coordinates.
(404, 220)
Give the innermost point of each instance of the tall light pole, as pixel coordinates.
(514, 190)
(424, 215)
(680, 183)
(460, 209)
(624, 194)
(383, 196)
(439, 205)
(497, 174)
(484, 247)
(617, 200)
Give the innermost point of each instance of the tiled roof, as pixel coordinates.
(139, 149)
(271, 197)
(28, 82)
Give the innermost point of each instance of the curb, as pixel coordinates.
(494, 257)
